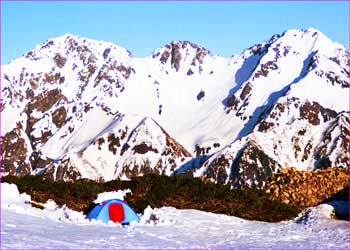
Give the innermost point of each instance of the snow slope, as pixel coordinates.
(61, 228)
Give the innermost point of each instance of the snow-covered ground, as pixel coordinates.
(25, 227)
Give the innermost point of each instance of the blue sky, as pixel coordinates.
(225, 28)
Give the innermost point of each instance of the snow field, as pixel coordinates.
(25, 227)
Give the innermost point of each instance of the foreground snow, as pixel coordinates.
(25, 227)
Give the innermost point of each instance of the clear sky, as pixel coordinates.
(225, 28)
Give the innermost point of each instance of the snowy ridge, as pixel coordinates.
(78, 108)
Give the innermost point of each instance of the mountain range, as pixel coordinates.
(76, 108)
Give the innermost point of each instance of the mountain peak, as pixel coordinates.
(320, 40)
(65, 36)
(59, 39)
(178, 51)
(181, 45)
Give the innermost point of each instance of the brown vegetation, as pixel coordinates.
(307, 188)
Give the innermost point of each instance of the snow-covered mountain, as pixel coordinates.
(78, 108)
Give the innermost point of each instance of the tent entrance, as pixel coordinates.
(116, 212)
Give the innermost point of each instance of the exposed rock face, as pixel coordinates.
(307, 188)
(219, 171)
(62, 171)
(175, 52)
(16, 149)
(335, 137)
(250, 168)
(60, 61)
(59, 117)
(310, 111)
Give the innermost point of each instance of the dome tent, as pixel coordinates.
(113, 210)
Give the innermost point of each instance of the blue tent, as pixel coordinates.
(113, 210)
